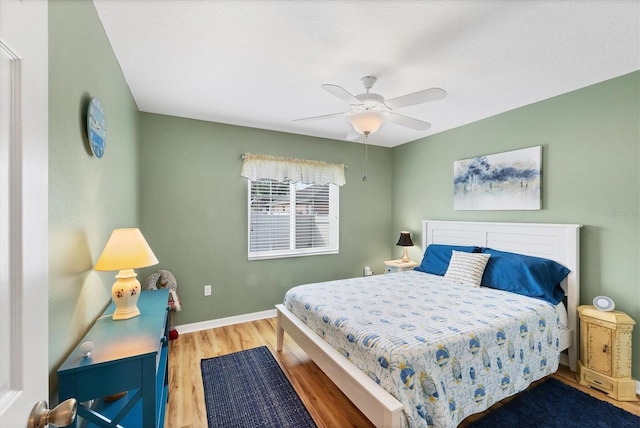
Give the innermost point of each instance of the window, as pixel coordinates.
(292, 219)
(293, 206)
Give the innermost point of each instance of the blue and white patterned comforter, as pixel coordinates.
(444, 350)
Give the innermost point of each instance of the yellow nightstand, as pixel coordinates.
(391, 266)
(605, 352)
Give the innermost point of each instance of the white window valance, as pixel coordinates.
(255, 167)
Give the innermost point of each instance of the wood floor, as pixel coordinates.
(327, 405)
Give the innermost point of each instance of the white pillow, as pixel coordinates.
(467, 268)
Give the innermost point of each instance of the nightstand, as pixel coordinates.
(605, 352)
(391, 266)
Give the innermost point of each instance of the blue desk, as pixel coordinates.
(128, 355)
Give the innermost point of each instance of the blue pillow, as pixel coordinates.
(437, 257)
(526, 275)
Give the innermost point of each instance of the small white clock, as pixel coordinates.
(604, 303)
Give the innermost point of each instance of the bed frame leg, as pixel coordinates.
(279, 332)
(573, 358)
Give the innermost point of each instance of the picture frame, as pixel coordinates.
(503, 181)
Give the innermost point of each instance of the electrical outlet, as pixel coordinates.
(207, 290)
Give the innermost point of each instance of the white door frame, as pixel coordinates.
(24, 34)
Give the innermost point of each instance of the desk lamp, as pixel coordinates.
(125, 251)
(405, 241)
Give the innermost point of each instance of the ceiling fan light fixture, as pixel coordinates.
(366, 122)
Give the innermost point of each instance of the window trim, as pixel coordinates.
(334, 230)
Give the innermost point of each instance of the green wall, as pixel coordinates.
(179, 180)
(194, 214)
(590, 142)
(88, 197)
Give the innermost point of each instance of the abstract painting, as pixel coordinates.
(502, 181)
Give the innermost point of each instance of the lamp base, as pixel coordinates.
(405, 256)
(125, 293)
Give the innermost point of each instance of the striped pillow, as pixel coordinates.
(467, 268)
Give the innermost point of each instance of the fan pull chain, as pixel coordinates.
(366, 155)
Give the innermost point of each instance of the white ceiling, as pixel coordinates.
(261, 63)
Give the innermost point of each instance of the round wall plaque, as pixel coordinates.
(96, 130)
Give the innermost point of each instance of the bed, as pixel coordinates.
(366, 386)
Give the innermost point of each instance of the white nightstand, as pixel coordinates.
(391, 266)
(605, 352)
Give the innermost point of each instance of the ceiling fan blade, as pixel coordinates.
(324, 116)
(409, 122)
(420, 97)
(341, 93)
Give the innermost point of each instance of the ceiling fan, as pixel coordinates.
(368, 111)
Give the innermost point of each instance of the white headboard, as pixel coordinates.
(558, 242)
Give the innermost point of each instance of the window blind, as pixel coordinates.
(292, 219)
(293, 206)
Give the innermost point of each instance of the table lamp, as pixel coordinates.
(125, 251)
(405, 241)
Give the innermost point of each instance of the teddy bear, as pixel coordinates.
(165, 279)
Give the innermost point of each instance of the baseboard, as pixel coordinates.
(638, 387)
(221, 322)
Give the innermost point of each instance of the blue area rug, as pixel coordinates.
(248, 389)
(554, 404)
